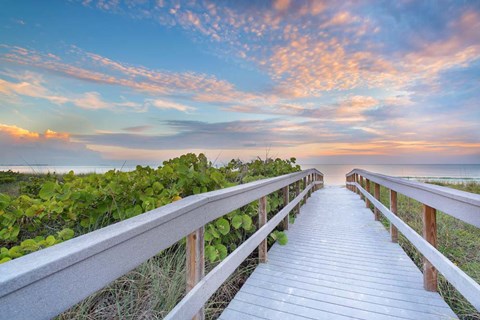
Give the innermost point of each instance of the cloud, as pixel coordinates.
(49, 147)
(98, 69)
(33, 85)
(164, 104)
(30, 85)
(324, 46)
(281, 5)
(137, 128)
(18, 133)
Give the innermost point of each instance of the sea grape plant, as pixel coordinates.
(58, 208)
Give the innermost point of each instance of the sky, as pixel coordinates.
(107, 81)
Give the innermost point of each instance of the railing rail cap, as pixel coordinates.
(37, 265)
(467, 197)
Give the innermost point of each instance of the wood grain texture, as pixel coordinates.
(335, 268)
(304, 187)
(459, 279)
(367, 187)
(262, 220)
(361, 184)
(393, 208)
(297, 192)
(286, 200)
(459, 204)
(195, 267)
(47, 282)
(195, 299)
(377, 196)
(430, 234)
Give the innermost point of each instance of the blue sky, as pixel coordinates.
(90, 82)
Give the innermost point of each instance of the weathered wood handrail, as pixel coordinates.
(45, 283)
(459, 204)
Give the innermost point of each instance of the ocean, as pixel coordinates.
(333, 174)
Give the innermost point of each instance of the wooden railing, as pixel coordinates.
(459, 204)
(45, 283)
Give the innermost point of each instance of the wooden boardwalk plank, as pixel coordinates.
(338, 264)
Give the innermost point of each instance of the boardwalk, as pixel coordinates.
(338, 264)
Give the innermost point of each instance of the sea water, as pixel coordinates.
(333, 174)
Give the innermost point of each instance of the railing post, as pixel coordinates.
(393, 208)
(355, 180)
(312, 180)
(286, 200)
(262, 220)
(367, 187)
(297, 192)
(195, 263)
(429, 234)
(308, 183)
(311, 189)
(361, 184)
(377, 196)
(304, 187)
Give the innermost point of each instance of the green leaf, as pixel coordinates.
(280, 237)
(5, 260)
(66, 234)
(211, 253)
(207, 236)
(47, 190)
(223, 226)
(85, 222)
(157, 186)
(213, 231)
(137, 210)
(50, 240)
(222, 251)
(29, 245)
(246, 222)
(237, 221)
(4, 201)
(15, 252)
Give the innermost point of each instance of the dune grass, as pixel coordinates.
(153, 289)
(457, 240)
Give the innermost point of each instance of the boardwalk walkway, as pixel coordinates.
(338, 264)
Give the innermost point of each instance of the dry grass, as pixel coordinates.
(153, 289)
(457, 240)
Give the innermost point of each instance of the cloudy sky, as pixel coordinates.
(96, 82)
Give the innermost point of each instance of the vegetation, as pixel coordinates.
(39, 211)
(457, 240)
(51, 209)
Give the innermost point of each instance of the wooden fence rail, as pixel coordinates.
(459, 204)
(45, 283)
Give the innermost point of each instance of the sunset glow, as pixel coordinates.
(106, 81)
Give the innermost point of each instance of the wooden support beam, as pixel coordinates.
(429, 234)
(361, 184)
(393, 208)
(354, 178)
(297, 192)
(286, 200)
(304, 186)
(367, 188)
(195, 263)
(310, 180)
(377, 196)
(262, 220)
